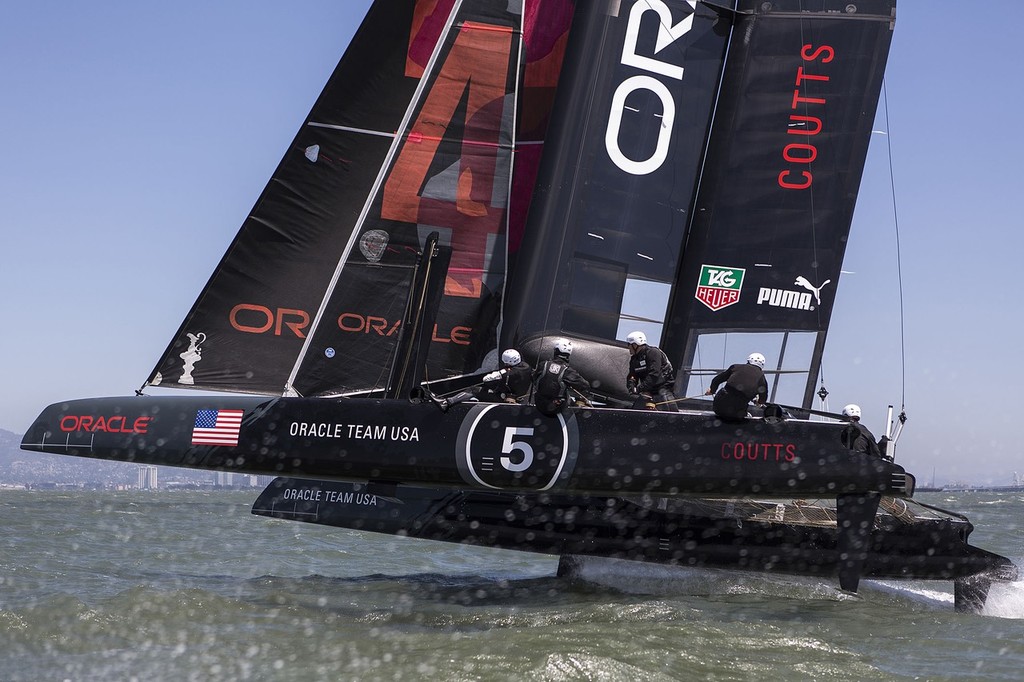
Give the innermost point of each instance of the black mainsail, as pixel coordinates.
(250, 322)
(480, 173)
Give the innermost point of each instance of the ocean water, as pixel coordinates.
(187, 585)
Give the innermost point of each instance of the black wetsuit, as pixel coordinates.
(650, 376)
(743, 383)
(551, 384)
(858, 438)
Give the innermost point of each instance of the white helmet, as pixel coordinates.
(756, 359)
(852, 411)
(563, 346)
(638, 338)
(511, 357)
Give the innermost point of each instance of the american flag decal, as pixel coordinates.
(217, 427)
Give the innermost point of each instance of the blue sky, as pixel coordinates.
(136, 137)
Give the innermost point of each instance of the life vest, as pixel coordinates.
(550, 394)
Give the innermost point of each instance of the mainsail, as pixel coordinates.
(414, 133)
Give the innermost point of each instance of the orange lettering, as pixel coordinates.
(296, 327)
(233, 318)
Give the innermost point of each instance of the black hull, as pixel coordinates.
(474, 446)
(906, 542)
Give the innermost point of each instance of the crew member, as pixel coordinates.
(650, 375)
(856, 436)
(556, 384)
(509, 384)
(743, 383)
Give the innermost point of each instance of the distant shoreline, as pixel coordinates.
(971, 489)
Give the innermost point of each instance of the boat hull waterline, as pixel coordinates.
(905, 542)
(471, 446)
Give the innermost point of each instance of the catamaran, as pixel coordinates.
(485, 174)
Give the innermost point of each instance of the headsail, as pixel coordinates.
(245, 330)
(414, 133)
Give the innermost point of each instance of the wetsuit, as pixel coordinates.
(743, 383)
(858, 438)
(650, 378)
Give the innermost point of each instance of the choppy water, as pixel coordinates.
(190, 586)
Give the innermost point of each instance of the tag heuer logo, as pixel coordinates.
(719, 286)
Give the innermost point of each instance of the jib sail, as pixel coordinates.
(414, 133)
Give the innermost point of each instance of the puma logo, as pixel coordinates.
(802, 282)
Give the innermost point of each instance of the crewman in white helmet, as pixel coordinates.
(743, 383)
(856, 436)
(556, 384)
(650, 375)
(510, 383)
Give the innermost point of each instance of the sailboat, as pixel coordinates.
(484, 174)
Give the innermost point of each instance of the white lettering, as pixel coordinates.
(668, 117)
(525, 449)
(315, 430)
(341, 497)
(668, 33)
(720, 278)
(382, 432)
(306, 494)
(783, 298)
(405, 433)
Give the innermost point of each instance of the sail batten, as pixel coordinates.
(350, 129)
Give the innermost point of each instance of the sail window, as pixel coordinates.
(789, 355)
(644, 303)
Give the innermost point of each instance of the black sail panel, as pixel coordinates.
(785, 158)
(250, 321)
(621, 159)
(449, 172)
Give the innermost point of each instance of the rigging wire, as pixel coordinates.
(899, 264)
